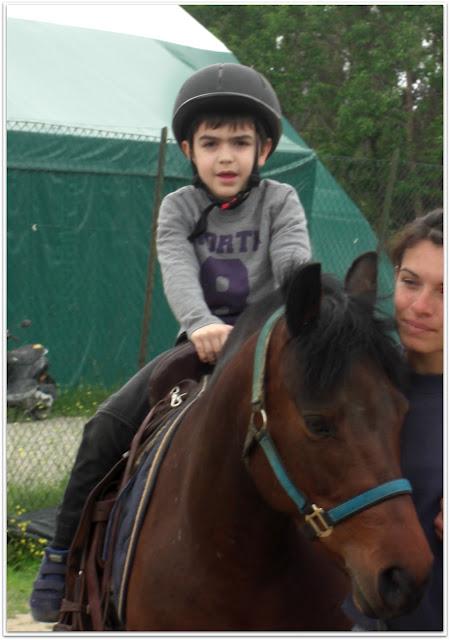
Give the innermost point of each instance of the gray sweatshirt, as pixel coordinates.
(243, 256)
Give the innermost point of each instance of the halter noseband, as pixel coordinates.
(318, 521)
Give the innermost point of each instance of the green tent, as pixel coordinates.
(85, 110)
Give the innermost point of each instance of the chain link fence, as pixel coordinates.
(40, 454)
(389, 193)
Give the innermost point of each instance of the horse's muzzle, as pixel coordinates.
(399, 592)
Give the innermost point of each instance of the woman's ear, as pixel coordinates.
(264, 152)
(186, 149)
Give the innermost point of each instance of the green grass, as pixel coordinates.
(24, 555)
(34, 498)
(80, 401)
(71, 402)
(19, 582)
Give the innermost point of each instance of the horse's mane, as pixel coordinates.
(348, 329)
(250, 321)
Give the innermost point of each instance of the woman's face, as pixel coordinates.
(419, 308)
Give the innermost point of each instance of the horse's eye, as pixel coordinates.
(319, 425)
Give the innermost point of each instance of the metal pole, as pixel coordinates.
(151, 262)
(383, 227)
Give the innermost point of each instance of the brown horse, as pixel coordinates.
(301, 410)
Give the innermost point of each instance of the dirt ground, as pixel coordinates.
(24, 622)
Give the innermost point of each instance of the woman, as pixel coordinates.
(418, 256)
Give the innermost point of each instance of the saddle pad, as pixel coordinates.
(131, 506)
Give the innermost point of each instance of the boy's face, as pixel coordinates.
(224, 156)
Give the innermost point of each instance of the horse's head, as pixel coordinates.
(327, 412)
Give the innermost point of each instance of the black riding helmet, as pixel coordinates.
(227, 88)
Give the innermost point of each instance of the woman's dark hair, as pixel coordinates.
(427, 227)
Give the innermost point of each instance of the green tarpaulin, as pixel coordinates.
(85, 109)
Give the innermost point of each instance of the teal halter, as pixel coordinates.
(318, 521)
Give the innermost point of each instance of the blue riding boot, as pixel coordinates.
(49, 586)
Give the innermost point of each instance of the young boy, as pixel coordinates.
(224, 242)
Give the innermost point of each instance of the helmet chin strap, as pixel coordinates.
(253, 181)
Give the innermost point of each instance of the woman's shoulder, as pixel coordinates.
(426, 384)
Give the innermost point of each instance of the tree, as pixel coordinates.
(355, 81)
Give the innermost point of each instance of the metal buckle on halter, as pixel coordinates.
(262, 426)
(317, 522)
(176, 398)
(254, 431)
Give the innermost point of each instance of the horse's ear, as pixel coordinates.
(361, 278)
(303, 298)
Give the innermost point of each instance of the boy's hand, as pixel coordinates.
(439, 524)
(208, 341)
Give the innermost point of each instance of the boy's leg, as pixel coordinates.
(105, 438)
(108, 435)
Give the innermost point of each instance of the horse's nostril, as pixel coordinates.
(398, 590)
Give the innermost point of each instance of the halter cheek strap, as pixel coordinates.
(318, 521)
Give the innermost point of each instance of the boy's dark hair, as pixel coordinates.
(218, 119)
(427, 227)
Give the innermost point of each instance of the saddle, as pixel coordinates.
(88, 603)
